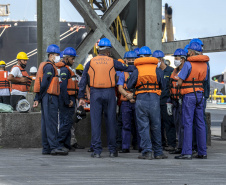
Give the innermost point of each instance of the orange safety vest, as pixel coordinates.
(4, 83)
(102, 72)
(123, 98)
(174, 90)
(195, 80)
(54, 87)
(72, 85)
(147, 78)
(21, 86)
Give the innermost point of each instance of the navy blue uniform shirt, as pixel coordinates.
(166, 91)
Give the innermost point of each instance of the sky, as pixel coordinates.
(191, 19)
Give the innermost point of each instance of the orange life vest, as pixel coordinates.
(102, 72)
(147, 78)
(195, 80)
(174, 90)
(21, 86)
(54, 87)
(72, 85)
(123, 98)
(4, 83)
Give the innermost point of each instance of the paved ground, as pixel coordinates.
(28, 166)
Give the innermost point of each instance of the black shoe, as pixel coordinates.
(176, 151)
(65, 149)
(189, 157)
(91, 150)
(94, 155)
(200, 156)
(77, 146)
(169, 148)
(58, 152)
(115, 154)
(124, 151)
(163, 156)
(147, 155)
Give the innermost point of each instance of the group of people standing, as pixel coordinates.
(157, 104)
(163, 104)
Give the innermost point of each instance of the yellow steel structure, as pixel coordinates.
(116, 27)
(215, 96)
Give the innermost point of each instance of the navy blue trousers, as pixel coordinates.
(66, 122)
(103, 100)
(49, 105)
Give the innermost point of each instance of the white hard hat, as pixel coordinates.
(33, 69)
(23, 106)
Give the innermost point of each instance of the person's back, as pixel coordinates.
(148, 82)
(100, 75)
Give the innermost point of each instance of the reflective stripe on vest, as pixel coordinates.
(123, 98)
(195, 80)
(21, 86)
(102, 72)
(174, 90)
(147, 78)
(54, 86)
(4, 83)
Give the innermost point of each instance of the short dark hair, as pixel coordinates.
(107, 50)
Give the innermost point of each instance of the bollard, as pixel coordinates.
(223, 128)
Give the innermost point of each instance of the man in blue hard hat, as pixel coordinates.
(100, 74)
(167, 124)
(67, 98)
(206, 86)
(174, 103)
(148, 80)
(191, 78)
(127, 105)
(47, 90)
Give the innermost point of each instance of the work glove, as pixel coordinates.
(79, 115)
(169, 109)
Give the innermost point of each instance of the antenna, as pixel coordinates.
(4, 10)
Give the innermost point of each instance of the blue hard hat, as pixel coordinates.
(195, 46)
(158, 54)
(144, 51)
(53, 48)
(70, 51)
(130, 54)
(197, 40)
(180, 52)
(136, 50)
(61, 54)
(105, 42)
(186, 48)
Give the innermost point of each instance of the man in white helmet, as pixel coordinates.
(33, 71)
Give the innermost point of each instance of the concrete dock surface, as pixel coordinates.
(29, 166)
